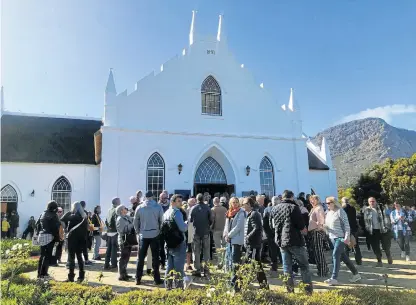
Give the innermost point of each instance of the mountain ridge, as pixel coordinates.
(358, 144)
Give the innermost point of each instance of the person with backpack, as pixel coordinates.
(173, 232)
(112, 236)
(148, 219)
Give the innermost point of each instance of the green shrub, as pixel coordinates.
(59, 289)
(21, 290)
(29, 293)
(18, 267)
(7, 244)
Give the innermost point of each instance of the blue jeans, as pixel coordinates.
(403, 239)
(97, 245)
(111, 253)
(302, 258)
(339, 254)
(144, 244)
(176, 262)
(234, 256)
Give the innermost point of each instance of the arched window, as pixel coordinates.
(61, 193)
(266, 177)
(156, 174)
(9, 198)
(210, 172)
(211, 97)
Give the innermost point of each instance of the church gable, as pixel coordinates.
(181, 90)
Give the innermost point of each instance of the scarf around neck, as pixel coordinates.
(232, 212)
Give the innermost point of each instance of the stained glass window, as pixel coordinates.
(266, 177)
(211, 97)
(210, 171)
(61, 193)
(156, 174)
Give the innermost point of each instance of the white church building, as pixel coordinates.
(198, 131)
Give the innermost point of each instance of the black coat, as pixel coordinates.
(253, 230)
(49, 223)
(79, 235)
(352, 218)
(288, 222)
(266, 222)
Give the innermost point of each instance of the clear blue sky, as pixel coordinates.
(342, 57)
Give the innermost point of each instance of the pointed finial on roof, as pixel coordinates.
(191, 31)
(325, 153)
(291, 101)
(111, 86)
(219, 28)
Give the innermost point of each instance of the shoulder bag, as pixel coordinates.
(73, 228)
(130, 239)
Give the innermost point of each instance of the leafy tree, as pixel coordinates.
(349, 193)
(369, 183)
(388, 181)
(400, 182)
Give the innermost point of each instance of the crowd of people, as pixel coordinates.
(181, 236)
(9, 224)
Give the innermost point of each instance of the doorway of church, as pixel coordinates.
(214, 188)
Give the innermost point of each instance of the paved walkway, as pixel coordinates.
(401, 274)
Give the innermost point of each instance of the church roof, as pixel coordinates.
(315, 162)
(43, 139)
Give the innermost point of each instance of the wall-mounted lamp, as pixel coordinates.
(33, 193)
(180, 166)
(248, 170)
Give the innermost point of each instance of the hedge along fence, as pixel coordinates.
(30, 292)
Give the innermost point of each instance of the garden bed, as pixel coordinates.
(30, 292)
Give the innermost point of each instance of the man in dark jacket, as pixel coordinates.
(289, 230)
(253, 237)
(269, 231)
(352, 219)
(201, 218)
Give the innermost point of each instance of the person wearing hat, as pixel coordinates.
(124, 226)
(147, 222)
